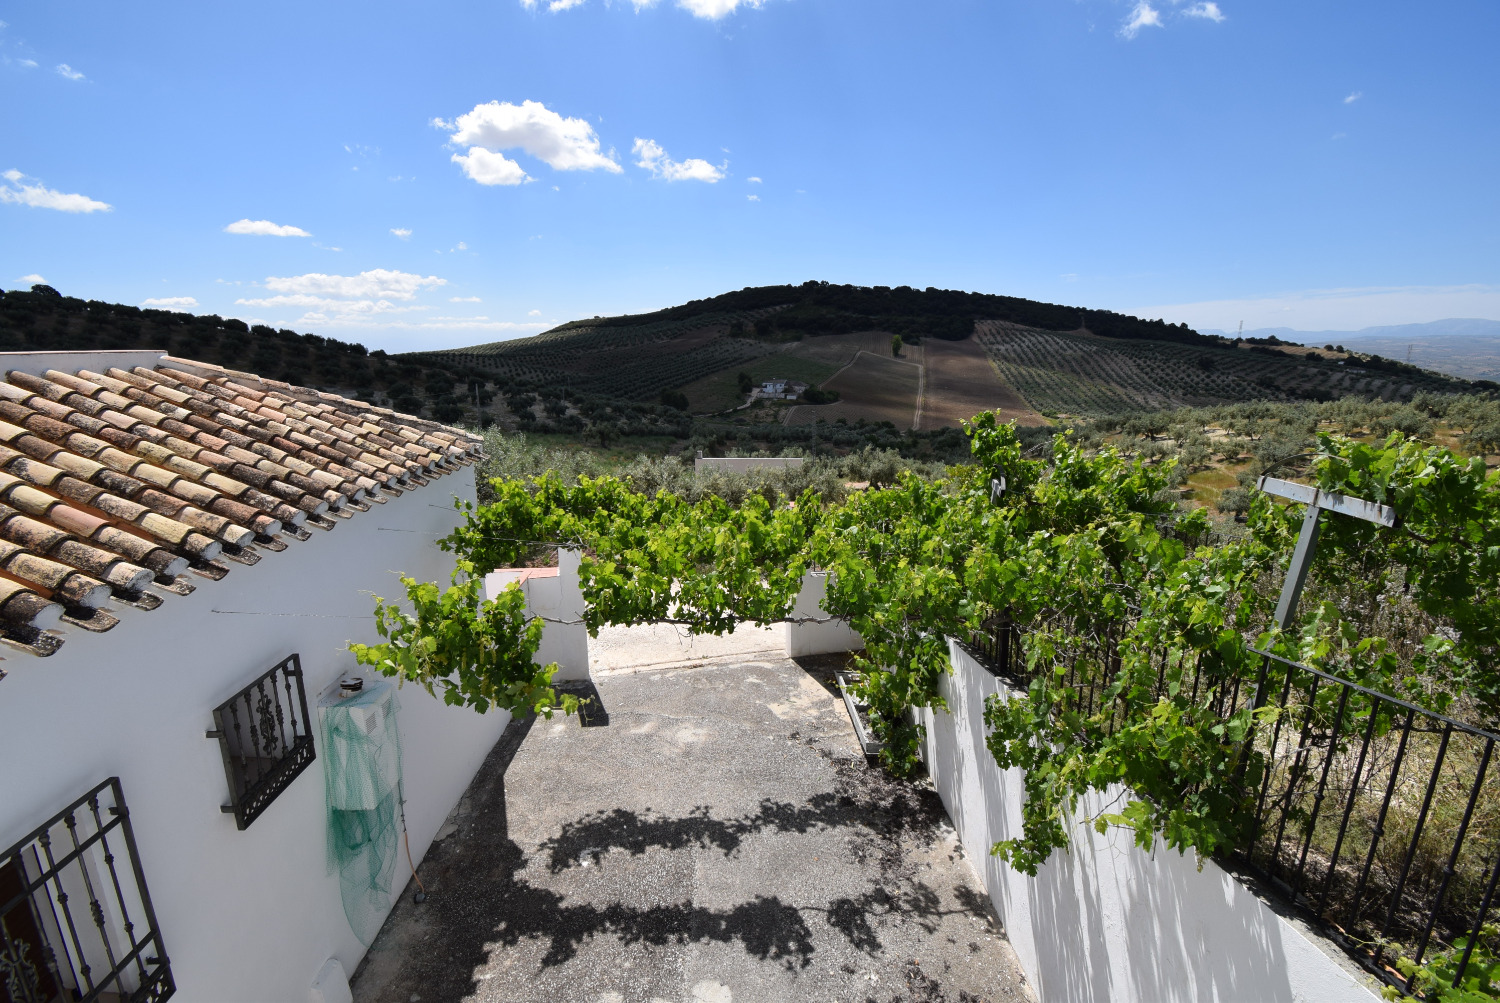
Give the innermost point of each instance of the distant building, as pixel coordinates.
(778, 389)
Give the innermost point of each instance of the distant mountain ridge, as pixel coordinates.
(1468, 348)
(1463, 327)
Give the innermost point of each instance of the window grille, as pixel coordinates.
(75, 919)
(264, 734)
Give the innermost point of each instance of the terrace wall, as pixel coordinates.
(1107, 921)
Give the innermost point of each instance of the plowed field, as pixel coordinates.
(873, 387)
(961, 382)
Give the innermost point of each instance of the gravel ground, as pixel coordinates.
(719, 840)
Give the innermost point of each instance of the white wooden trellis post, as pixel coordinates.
(1317, 502)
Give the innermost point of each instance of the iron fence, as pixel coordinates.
(1375, 817)
(266, 739)
(72, 925)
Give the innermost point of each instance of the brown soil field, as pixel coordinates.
(961, 382)
(873, 387)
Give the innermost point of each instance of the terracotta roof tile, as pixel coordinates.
(115, 484)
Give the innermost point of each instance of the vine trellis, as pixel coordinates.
(1090, 554)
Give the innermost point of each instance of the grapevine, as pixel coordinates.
(1088, 550)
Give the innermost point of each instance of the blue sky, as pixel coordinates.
(470, 172)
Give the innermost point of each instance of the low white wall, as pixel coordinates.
(1107, 921)
(558, 598)
(818, 638)
(247, 916)
(745, 462)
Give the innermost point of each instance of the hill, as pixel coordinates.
(638, 356)
(684, 373)
(1031, 359)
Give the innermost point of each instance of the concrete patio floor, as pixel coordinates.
(719, 840)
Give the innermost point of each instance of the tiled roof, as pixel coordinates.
(121, 487)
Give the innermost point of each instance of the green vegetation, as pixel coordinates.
(633, 363)
(724, 390)
(1115, 589)
(44, 320)
(825, 308)
(1069, 373)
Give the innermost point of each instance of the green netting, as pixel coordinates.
(362, 778)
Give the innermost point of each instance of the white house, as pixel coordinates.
(184, 553)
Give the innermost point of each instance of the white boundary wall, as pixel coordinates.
(558, 597)
(1106, 921)
(249, 916)
(742, 463)
(818, 638)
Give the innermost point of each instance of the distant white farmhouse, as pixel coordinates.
(184, 553)
(778, 389)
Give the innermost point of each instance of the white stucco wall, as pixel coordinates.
(746, 462)
(817, 638)
(559, 599)
(246, 916)
(1107, 921)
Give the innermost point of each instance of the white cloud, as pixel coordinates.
(490, 168)
(654, 159)
(1354, 97)
(461, 246)
(378, 283)
(26, 64)
(324, 307)
(711, 10)
(180, 303)
(1208, 11)
(753, 181)
(464, 299)
(753, 198)
(64, 70)
(533, 313)
(264, 228)
(33, 279)
(564, 144)
(1142, 15)
(336, 299)
(17, 192)
(1337, 309)
(387, 323)
(401, 232)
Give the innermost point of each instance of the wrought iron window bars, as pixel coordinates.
(265, 735)
(54, 946)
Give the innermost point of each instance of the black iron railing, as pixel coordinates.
(1375, 817)
(265, 736)
(76, 921)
